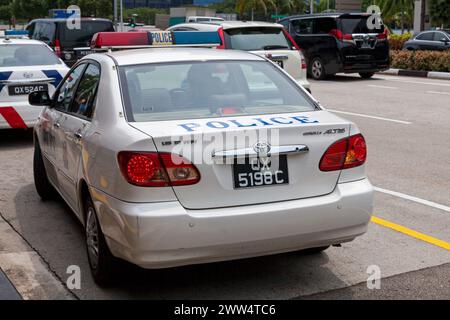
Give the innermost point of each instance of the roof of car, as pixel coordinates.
(229, 24)
(324, 15)
(19, 41)
(65, 19)
(157, 55)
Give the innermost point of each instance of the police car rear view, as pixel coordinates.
(25, 66)
(177, 156)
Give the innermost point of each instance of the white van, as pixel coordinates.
(203, 19)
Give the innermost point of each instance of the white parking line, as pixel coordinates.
(431, 83)
(415, 199)
(381, 87)
(369, 116)
(438, 92)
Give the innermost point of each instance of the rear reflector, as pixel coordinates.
(345, 153)
(153, 169)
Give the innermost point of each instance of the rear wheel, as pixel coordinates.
(317, 69)
(101, 262)
(311, 251)
(43, 186)
(366, 75)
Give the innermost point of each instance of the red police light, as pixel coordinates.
(118, 39)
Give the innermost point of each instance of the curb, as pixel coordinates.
(24, 271)
(417, 73)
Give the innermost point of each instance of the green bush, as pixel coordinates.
(396, 41)
(421, 60)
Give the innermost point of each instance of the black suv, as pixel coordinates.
(69, 44)
(340, 42)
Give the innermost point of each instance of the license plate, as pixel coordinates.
(280, 63)
(257, 172)
(16, 90)
(83, 53)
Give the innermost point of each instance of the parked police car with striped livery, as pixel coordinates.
(177, 156)
(25, 66)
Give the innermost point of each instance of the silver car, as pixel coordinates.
(178, 156)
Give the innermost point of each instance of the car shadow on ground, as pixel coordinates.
(348, 78)
(54, 231)
(15, 138)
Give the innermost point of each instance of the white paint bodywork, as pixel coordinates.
(28, 113)
(208, 221)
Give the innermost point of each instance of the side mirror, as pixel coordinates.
(39, 98)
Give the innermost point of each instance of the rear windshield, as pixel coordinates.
(359, 24)
(192, 90)
(26, 55)
(257, 38)
(82, 37)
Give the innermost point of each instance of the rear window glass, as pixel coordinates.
(26, 55)
(82, 37)
(258, 38)
(193, 90)
(358, 24)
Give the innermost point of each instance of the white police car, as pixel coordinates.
(25, 66)
(177, 156)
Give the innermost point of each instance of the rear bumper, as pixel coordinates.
(22, 112)
(365, 66)
(159, 235)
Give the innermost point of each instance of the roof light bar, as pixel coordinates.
(143, 39)
(12, 33)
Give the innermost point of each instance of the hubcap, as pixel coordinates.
(316, 69)
(92, 237)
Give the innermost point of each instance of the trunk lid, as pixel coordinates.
(316, 130)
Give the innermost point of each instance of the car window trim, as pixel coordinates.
(76, 85)
(76, 114)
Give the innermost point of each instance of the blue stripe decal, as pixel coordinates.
(53, 74)
(4, 76)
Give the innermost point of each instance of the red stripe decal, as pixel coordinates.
(12, 117)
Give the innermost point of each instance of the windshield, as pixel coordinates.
(82, 37)
(257, 38)
(26, 55)
(191, 90)
(359, 24)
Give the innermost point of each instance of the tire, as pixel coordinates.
(102, 263)
(317, 69)
(43, 186)
(311, 251)
(366, 75)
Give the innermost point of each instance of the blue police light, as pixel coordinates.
(16, 33)
(196, 37)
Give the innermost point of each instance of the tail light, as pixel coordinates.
(383, 35)
(304, 63)
(153, 169)
(58, 48)
(340, 35)
(345, 153)
(222, 38)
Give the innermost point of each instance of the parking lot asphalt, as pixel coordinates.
(406, 124)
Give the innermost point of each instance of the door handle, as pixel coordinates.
(78, 135)
(56, 125)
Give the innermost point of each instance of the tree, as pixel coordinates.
(440, 12)
(29, 9)
(390, 9)
(244, 5)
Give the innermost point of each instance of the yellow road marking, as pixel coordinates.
(411, 233)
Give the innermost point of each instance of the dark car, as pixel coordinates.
(429, 40)
(69, 44)
(340, 42)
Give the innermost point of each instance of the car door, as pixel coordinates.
(441, 41)
(425, 41)
(62, 102)
(74, 127)
(302, 32)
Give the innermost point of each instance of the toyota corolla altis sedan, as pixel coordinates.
(178, 156)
